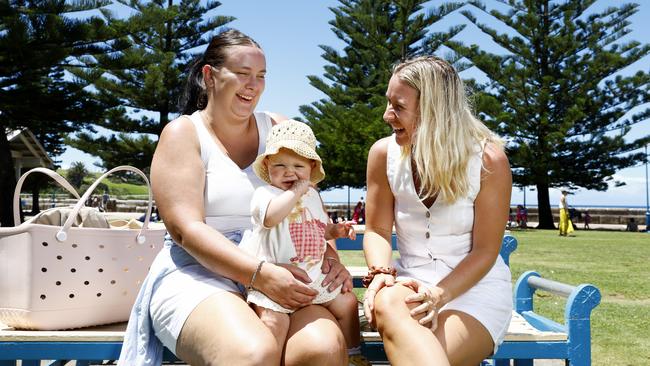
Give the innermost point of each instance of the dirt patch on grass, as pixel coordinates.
(622, 300)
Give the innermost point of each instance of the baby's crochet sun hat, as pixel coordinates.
(295, 136)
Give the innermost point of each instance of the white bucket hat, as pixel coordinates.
(295, 136)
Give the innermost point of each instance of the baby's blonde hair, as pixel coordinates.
(447, 132)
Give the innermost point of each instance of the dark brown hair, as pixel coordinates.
(194, 96)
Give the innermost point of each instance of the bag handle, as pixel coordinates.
(62, 235)
(52, 174)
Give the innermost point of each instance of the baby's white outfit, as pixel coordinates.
(432, 241)
(278, 244)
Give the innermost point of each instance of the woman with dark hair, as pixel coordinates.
(443, 181)
(191, 302)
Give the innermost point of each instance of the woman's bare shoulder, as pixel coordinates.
(181, 126)
(179, 133)
(379, 149)
(494, 158)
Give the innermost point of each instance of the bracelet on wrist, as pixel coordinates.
(257, 270)
(373, 271)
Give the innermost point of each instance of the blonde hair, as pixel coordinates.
(447, 132)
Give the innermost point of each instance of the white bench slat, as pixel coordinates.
(100, 333)
(519, 331)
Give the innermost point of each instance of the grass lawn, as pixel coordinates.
(615, 262)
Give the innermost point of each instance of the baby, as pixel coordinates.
(291, 226)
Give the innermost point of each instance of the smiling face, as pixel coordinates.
(286, 167)
(239, 82)
(402, 110)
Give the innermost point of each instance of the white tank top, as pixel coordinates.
(562, 203)
(442, 231)
(228, 189)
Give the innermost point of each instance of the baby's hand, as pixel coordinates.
(344, 230)
(301, 186)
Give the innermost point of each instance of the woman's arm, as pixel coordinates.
(490, 217)
(379, 224)
(379, 209)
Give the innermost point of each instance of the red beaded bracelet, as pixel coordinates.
(373, 271)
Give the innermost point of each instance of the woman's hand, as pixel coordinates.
(379, 281)
(286, 285)
(337, 274)
(430, 299)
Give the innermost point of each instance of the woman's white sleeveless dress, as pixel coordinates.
(432, 241)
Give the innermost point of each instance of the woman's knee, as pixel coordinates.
(238, 337)
(389, 304)
(259, 351)
(251, 350)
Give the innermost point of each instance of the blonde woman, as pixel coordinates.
(443, 180)
(565, 225)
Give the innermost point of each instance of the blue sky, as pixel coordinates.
(290, 32)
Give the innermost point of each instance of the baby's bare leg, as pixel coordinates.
(345, 309)
(277, 322)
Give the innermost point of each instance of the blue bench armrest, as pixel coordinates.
(581, 300)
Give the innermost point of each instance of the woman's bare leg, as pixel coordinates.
(314, 338)
(405, 340)
(464, 339)
(278, 323)
(224, 330)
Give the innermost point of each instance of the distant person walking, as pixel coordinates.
(566, 226)
(587, 218)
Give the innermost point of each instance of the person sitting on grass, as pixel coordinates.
(292, 227)
(632, 225)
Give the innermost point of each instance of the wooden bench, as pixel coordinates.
(530, 335)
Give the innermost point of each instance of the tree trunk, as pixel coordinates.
(7, 181)
(544, 208)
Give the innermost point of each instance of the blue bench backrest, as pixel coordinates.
(508, 245)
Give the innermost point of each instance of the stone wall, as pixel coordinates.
(113, 205)
(617, 216)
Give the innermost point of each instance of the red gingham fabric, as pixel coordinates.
(308, 239)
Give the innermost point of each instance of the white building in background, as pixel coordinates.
(27, 152)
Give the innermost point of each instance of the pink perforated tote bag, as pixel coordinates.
(60, 277)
